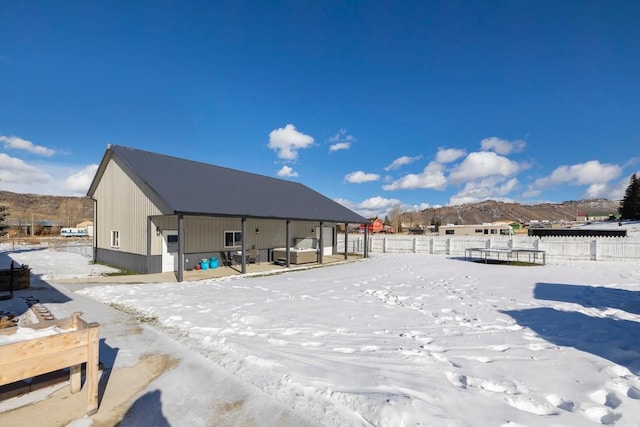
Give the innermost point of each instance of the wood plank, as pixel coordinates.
(30, 367)
(42, 346)
(75, 378)
(92, 369)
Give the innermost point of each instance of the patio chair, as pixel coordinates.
(253, 256)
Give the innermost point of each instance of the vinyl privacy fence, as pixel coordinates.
(618, 249)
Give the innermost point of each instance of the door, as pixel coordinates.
(327, 239)
(169, 250)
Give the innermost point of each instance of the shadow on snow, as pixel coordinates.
(616, 340)
(590, 296)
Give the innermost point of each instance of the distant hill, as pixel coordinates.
(490, 211)
(73, 210)
(37, 207)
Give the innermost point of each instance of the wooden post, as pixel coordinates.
(92, 369)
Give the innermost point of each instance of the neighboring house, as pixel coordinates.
(374, 225)
(156, 213)
(496, 229)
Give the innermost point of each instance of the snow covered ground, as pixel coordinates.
(408, 339)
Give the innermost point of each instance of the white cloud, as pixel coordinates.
(16, 175)
(341, 141)
(591, 172)
(359, 177)
(16, 143)
(448, 155)
(287, 171)
(420, 207)
(340, 146)
(531, 193)
(401, 161)
(431, 177)
(287, 141)
(376, 206)
(492, 188)
(372, 207)
(80, 181)
(502, 146)
(484, 164)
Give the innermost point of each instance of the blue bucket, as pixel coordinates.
(204, 264)
(214, 262)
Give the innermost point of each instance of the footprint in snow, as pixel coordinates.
(561, 403)
(499, 348)
(530, 405)
(601, 414)
(605, 398)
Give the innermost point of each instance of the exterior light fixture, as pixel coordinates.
(257, 231)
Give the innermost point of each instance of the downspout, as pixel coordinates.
(95, 229)
(180, 248)
(149, 231)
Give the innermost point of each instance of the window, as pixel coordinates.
(115, 239)
(449, 231)
(494, 231)
(505, 232)
(232, 239)
(478, 230)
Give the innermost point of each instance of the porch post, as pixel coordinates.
(286, 245)
(346, 240)
(180, 248)
(244, 245)
(320, 244)
(366, 240)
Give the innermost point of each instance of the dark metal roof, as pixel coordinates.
(190, 187)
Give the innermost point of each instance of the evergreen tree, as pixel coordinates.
(630, 205)
(4, 213)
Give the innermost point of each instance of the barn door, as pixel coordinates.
(169, 250)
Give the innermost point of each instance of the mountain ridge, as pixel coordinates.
(71, 210)
(491, 210)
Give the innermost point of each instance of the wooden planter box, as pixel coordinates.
(21, 278)
(78, 344)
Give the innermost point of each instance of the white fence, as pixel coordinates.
(618, 249)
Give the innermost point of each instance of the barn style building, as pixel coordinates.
(156, 213)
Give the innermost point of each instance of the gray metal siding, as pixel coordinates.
(124, 207)
(124, 260)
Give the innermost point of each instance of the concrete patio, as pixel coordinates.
(216, 273)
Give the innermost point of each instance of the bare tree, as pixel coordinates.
(395, 217)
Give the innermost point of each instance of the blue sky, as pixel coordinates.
(372, 103)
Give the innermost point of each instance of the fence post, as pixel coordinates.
(593, 250)
(431, 246)
(487, 244)
(384, 245)
(448, 246)
(415, 245)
